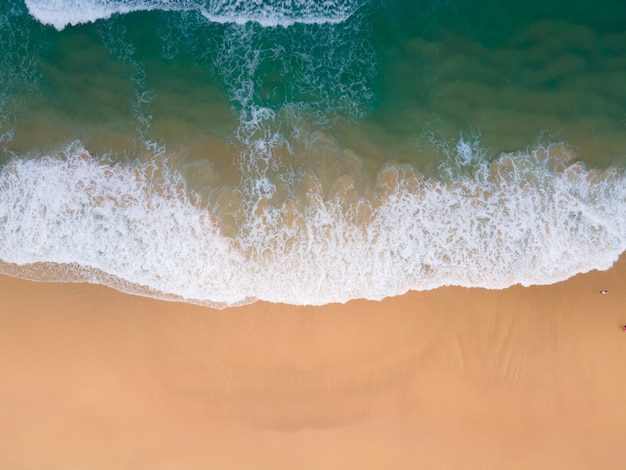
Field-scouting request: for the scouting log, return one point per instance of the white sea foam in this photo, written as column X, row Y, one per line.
column 62, row 13
column 325, row 72
column 527, row 218
column 276, row 13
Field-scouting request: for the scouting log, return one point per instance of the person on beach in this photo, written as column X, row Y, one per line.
column 624, row 328
column 603, row 292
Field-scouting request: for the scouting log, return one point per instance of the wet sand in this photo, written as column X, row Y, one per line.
column 449, row 379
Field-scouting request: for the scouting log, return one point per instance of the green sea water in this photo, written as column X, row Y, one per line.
column 311, row 152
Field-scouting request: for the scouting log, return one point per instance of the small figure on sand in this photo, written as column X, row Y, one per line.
column 624, row 328
column 604, row 292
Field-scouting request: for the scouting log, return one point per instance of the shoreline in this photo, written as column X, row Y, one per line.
column 450, row 378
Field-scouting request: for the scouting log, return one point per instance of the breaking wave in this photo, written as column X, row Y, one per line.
column 534, row 217
column 62, row 13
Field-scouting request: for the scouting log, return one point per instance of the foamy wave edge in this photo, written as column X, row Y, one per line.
column 61, row 14
column 527, row 218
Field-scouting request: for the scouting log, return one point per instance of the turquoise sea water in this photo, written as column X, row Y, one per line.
column 220, row 152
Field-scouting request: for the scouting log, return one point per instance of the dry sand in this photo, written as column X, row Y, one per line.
column 449, row 379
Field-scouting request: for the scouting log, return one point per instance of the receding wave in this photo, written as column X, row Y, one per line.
column 525, row 218
column 62, row 13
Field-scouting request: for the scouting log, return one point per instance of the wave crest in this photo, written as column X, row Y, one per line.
column 62, row 13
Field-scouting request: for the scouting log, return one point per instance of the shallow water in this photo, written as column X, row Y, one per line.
column 305, row 152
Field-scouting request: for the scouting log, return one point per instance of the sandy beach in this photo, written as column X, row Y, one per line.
column 452, row 378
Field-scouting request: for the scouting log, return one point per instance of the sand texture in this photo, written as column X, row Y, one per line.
column 449, row 379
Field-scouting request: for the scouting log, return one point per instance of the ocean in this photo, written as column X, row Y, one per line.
column 306, row 152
